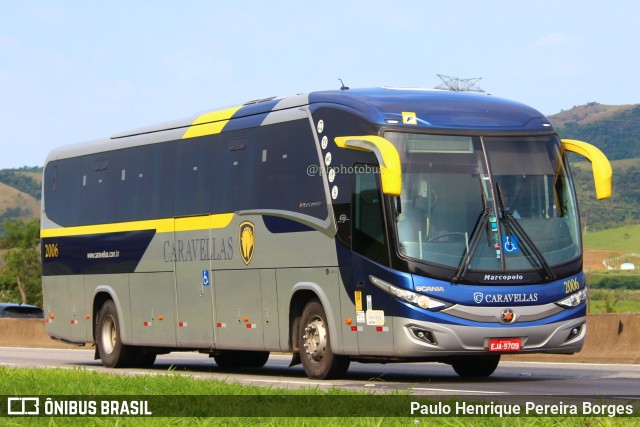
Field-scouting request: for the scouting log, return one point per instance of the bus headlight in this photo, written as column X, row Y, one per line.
column 574, row 299
column 422, row 301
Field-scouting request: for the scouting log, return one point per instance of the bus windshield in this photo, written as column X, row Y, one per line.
column 485, row 203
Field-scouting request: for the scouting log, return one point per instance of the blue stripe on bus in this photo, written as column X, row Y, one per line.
column 277, row 225
column 106, row 253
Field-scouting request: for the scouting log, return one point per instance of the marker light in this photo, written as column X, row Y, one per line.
column 574, row 299
column 419, row 300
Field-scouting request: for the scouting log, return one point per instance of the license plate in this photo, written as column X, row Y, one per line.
column 505, row 344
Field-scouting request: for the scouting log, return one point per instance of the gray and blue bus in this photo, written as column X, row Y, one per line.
column 369, row 225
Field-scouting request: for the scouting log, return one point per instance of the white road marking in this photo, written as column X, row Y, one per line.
column 456, row 391
column 288, row 382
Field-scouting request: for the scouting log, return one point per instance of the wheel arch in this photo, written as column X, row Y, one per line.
column 103, row 294
column 301, row 294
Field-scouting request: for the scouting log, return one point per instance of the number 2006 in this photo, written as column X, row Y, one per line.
column 51, row 250
column 571, row 285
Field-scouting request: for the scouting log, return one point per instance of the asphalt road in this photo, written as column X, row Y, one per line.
column 510, row 379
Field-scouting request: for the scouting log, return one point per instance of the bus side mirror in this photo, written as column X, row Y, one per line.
column 599, row 164
column 387, row 155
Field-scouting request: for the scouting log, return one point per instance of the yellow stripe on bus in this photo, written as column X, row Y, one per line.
column 210, row 123
column 167, row 225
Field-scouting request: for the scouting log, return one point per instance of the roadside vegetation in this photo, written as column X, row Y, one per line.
column 613, row 290
column 620, row 239
column 66, row 383
column 20, row 262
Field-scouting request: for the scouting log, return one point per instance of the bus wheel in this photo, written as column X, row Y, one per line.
column 229, row 359
column 316, row 356
column 112, row 352
column 475, row 366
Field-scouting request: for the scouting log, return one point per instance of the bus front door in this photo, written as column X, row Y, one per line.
column 370, row 248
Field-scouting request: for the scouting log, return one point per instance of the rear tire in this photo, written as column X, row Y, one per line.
column 316, row 355
column 231, row 359
column 112, row 352
column 475, row 366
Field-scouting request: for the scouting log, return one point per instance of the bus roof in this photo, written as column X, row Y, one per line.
column 432, row 109
column 437, row 109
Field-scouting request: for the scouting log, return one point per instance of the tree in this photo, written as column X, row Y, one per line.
column 20, row 274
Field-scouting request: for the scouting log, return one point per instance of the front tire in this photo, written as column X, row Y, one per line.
column 113, row 353
column 475, row 366
column 316, row 355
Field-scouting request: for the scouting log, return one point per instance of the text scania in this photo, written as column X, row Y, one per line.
column 219, row 249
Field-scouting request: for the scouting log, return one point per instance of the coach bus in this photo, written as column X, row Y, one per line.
column 369, row 225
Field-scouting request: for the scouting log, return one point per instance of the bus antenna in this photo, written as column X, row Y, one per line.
column 457, row 84
column 343, row 87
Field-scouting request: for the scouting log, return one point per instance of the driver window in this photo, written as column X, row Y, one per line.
column 369, row 235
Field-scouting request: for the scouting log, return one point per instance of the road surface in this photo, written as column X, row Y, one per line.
column 510, row 379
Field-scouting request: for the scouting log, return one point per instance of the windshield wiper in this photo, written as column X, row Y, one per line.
column 483, row 221
column 509, row 222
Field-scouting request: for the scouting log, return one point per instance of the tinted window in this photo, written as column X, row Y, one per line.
column 234, row 172
column 146, row 181
column 369, row 236
column 263, row 168
column 18, row 311
column 63, row 183
column 284, row 153
column 193, row 170
column 99, row 188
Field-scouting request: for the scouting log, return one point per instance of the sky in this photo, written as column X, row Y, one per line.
column 73, row 71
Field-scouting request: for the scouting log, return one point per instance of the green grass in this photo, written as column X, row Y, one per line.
column 614, row 291
column 623, row 239
column 614, row 301
column 81, row 382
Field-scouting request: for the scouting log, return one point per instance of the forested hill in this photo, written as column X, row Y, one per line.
column 20, row 193
column 614, row 129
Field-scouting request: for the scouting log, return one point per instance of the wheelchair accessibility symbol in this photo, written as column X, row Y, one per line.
column 510, row 244
column 205, row 277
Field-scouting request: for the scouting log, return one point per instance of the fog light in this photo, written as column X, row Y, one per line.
column 575, row 332
column 424, row 335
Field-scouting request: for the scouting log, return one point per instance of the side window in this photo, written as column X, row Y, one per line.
column 369, row 236
column 99, row 193
column 63, row 186
column 233, row 175
column 281, row 162
column 193, row 177
column 266, row 168
column 136, row 180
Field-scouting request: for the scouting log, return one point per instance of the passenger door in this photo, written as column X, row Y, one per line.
column 193, row 283
column 370, row 248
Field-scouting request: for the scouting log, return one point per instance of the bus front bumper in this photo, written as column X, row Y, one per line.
column 424, row 339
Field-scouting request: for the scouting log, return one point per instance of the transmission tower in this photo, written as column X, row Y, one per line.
column 459, row 85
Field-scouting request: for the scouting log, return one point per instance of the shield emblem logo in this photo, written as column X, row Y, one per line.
column 477, row 297
column 247, row 241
